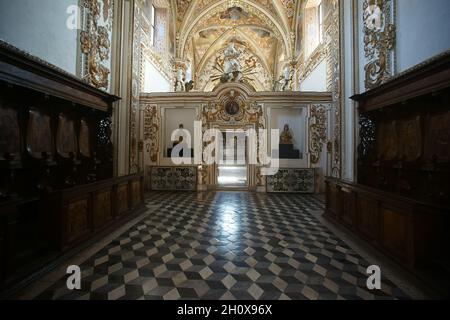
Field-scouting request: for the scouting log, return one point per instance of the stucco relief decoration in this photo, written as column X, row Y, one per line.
column 249, row 70
column 135, row 86
column 379, row 41
column 289, row 7
column 332, row 40
column 95, row 42
column 232, row 109
column 318, row 131
column 151, row 129
column 182, row 7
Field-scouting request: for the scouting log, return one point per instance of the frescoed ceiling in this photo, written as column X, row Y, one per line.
column 263, row 29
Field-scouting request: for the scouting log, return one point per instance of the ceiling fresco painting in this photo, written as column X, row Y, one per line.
column 262, row 31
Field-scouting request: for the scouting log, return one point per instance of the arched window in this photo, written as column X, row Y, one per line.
column 313, row 25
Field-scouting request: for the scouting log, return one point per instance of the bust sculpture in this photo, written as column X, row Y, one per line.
column 286, row 136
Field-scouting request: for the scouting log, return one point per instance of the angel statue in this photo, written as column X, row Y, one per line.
column 232, row 67
column 179, row 83
column 288, row 75
column 188, row 82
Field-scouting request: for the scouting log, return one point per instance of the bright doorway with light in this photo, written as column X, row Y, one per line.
column 232, row 172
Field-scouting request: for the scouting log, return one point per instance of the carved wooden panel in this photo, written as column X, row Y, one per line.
column 77, row 219
column 388, row 140
column 39, row 134
column 437, row 144
column 395, row 232
column 410, row 134
column 84, row 138
column 102, row 208
column 66, row 141
column 333, row 199
column 9, row 132
column 135, row 193
column 367, row 222
column 122, row 198
column 348, row 206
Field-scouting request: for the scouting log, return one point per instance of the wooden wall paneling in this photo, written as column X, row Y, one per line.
column 122, row 198
column 367, row 217
column 50, row 181
column 396, row 232
column 333, row 199
column 136, row 194
column 77, row 216
column 22, row 243
column 2, row 249
column 348, row 212
column 103, row 207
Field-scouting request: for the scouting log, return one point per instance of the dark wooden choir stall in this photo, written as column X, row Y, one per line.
column 57, row 187
column 401, row 201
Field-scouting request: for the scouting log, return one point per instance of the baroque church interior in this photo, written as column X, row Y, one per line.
column 224, row 149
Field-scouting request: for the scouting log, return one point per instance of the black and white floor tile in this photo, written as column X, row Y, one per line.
column 226, row 245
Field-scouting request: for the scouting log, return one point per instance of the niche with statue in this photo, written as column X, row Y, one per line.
column 291, row 125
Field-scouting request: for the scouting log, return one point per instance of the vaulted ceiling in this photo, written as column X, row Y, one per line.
column 264, row 30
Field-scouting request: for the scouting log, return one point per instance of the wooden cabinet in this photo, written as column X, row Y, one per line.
column 82, row 211
column 57, row 187
column 401, row 200
column 412, row 233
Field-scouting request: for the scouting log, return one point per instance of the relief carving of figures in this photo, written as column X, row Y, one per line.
column 95, row 42
column 379, row 41
column 318, row 131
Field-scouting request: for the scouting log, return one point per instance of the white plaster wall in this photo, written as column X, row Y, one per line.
column 317, row 80
column 154, row 81
column 423, row 30
column 39, row 27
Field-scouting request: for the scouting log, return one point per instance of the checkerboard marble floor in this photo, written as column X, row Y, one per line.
column 226, row 245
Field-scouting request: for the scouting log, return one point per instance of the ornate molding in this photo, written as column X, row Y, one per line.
column 136, row 60
column 151, row 131
column 333, row 56
column 379, row 41
column 95, row 42
column 317, row 131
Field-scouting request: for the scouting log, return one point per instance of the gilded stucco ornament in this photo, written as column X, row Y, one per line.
column 317, row 131
column 379, row 41
column 151, row 130
column 95, row 42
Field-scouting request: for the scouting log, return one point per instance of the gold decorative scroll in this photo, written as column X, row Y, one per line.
column 379, row 41
column 95, row 42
